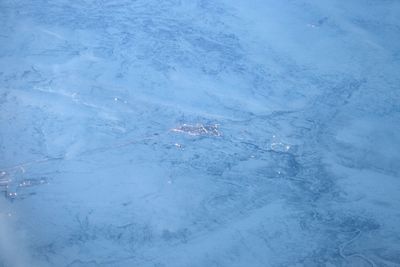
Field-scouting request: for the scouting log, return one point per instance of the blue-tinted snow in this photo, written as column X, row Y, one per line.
column 200, row 133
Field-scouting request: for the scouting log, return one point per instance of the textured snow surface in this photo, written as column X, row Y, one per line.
column 199, row 133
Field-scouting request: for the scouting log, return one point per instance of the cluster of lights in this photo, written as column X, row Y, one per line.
column 10, row 189
column 198, row 129
column 278, row 145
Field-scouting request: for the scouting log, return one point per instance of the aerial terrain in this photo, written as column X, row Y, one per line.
column 171, row 133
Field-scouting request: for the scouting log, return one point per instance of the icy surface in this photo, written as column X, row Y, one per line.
column 199, row 133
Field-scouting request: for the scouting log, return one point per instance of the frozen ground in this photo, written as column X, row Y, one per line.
column 199, row 133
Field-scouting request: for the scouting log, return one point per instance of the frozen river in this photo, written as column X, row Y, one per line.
column 168, row 133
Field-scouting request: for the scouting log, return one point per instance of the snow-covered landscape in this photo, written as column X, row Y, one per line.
column 158, row 133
